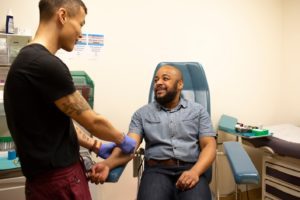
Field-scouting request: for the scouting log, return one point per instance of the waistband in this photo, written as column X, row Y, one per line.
column 57, row 173
column 167, row 162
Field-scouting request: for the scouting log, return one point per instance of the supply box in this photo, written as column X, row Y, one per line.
column 10, row 46
column 6, row 141
column 84, row 85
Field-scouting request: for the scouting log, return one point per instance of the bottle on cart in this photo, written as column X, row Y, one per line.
column 9, row 26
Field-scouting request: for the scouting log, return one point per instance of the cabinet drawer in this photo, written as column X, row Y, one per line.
column 287, row 176
column 277, row 191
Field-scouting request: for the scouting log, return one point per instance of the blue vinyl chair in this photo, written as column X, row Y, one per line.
column 196, row 89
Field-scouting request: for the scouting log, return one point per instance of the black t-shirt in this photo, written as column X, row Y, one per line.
column 44, row 136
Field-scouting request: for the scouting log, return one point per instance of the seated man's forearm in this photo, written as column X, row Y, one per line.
column 188, row 179
column 117, row 158
column 207, row 155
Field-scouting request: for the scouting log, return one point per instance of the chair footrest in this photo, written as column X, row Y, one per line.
column 241, row 165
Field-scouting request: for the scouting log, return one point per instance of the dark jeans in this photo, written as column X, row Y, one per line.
column 68, row 183
column 158, row 183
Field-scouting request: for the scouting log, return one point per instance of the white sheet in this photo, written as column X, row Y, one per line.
column 288, row 132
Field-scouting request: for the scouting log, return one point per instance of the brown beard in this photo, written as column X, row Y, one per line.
column 169, row 97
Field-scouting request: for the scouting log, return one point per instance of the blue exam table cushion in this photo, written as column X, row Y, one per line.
column 242, row 167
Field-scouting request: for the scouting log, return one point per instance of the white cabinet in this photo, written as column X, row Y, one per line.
column 281, row 178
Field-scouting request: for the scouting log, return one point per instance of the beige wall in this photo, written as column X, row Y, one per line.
column 290, row 91
column 248, row 49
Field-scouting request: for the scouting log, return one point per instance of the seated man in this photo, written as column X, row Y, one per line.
column 180, row 144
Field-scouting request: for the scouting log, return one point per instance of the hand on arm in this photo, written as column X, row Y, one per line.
column 117, row 158
column 106, row 149
column 128, row 145
column 190, row 178
column 102, row 150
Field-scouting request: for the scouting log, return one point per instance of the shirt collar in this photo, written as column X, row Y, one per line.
column 182, row 104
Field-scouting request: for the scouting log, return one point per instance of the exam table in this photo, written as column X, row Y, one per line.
column 281, row 158
column 281, row 162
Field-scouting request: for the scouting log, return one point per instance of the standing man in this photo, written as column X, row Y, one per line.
column 179, row 143
column 41, row 103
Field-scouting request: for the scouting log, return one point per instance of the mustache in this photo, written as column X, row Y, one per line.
column 159, row 87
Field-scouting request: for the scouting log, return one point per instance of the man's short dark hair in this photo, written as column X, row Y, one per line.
column 49, row 7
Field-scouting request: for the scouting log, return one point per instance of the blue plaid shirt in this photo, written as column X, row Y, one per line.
column 172, row 133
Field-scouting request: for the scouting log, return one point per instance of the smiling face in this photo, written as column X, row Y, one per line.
column 167, row 86
column 71, row 28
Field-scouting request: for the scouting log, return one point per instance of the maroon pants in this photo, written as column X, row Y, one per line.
column 68, row 183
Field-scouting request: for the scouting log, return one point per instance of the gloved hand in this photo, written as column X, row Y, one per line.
column 128, row 145
column 106, row 149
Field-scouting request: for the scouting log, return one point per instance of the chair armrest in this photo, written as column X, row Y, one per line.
column 115, row 174
column 241, row 165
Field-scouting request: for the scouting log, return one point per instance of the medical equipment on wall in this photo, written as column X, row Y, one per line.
column 85, row 85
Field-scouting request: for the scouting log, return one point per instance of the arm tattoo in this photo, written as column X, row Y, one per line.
column 77, row 105
column 82, row 135
column 85, row 137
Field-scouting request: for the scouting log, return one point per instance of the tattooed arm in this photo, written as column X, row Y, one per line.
column 86, row 141
column 76, row 107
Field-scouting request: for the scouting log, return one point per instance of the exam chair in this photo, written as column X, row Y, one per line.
column 196, row 89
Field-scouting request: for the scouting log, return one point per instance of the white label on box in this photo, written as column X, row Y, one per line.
column 3, row 46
